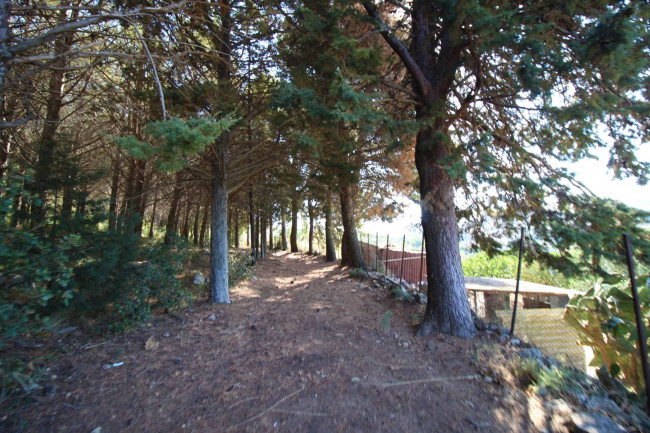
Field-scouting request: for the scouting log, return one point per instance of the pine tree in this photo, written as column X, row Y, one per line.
column 502, row 90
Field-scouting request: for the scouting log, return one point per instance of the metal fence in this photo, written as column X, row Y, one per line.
column 409, row 266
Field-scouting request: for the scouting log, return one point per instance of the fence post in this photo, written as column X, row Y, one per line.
column 368, row 249
column 377, row 251
column 514, row 308
column 639, row 320
column 401, row 272
column 386, row 258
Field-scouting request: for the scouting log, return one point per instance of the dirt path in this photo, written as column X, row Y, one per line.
column 301, row 349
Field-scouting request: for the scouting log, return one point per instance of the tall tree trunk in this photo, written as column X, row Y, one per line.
column 251, row 216
column 219, row 225
column 153, row 215
column 195, row 232
column 219, row 228
column 257, row 237
column 47, row 144
column 283, row 240
column 170, row 227
column 294, row 222
column 115, row 186
column 351, row 254
column 5, row 36
column 186, row 220
column 447, row 309
column 310, row 211
column 330, row 247
column 204, row 225
column 271, row 231
column 262, row 236
column 236, row 229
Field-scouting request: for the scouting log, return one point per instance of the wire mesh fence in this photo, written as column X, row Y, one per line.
column 540, row 307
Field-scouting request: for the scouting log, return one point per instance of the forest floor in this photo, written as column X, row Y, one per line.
column 302, row 348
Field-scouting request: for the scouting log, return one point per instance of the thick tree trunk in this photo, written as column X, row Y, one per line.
column 447, row 309
column 294, row 222
column 219, row 225
column 5, row 36
column 310, row 210
column 330, row 247
column 351, row 254
column 204, row 225
column 219, row 229
column 283, row 240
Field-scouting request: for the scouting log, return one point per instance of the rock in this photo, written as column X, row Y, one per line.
column 198, row 279
column 530, row 354
column 166, row 335
column 558, row 405
column 605, row 405
column 212, row 317
column 515, row 341
column 405, row 344
column 493, row 327
column 503, row 330
column 355, row 380
column 96, row 430
column 421, row 298
column 593, row 422
column 430, row 347
column 254, row 278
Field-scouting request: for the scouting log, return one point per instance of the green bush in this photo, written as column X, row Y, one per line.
column 605, row 320
column 35, row 272
column 505, row 266
column 238, row 267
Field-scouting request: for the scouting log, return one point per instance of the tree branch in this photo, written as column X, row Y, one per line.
column 420, row 79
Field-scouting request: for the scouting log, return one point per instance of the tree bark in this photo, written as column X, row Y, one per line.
column 186, row 221
column 170, row 227
column 310, row 211
column 219, row 229
column 330, row 247
column 195, row 232
column 294, row 222
column 251, row 216
column 236, row 229
column 47, row 143
column 153, row 215
column 115, row 185
column 270, row 231
column 262, row 236
column 283, row 240
column 351, row 254
column 204, row 225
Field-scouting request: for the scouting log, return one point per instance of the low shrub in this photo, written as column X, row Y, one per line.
column 605, row 320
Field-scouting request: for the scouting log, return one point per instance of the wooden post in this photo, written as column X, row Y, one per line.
column 401, row 272
column 386, row 258
column 377, row 251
